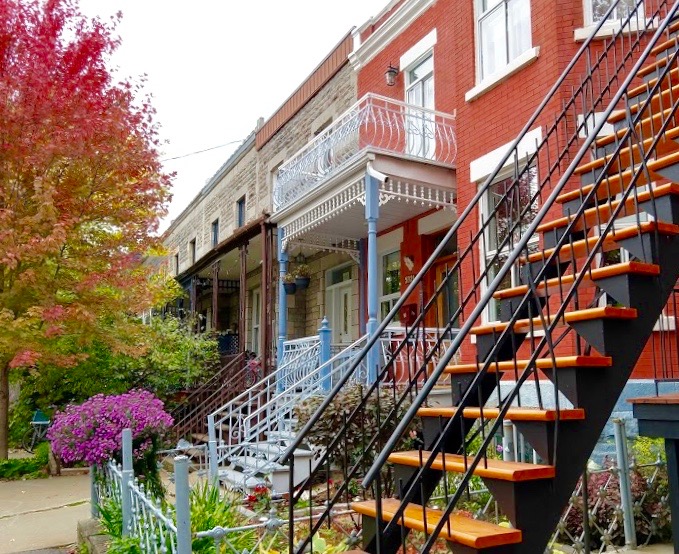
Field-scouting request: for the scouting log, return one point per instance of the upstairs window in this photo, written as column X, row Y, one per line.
column 504, row 33
column 420, row 93
column 215, row 233
column 595, row 10
column 240, row 212
column 192, row 252
column 176, row 264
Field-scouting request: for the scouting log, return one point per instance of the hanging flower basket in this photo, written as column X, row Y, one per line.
column 290, row 288
column 302, row 282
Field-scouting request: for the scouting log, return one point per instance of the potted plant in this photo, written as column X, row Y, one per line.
column 302, row 276
column 289, row 283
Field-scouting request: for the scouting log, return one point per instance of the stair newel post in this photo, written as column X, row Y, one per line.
column 325, row 336
column 94, row 493
column 126, row 483
column 212, row 449
column 625, row 487
column 182, row 505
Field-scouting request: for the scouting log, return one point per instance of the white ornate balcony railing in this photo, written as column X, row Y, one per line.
column 373, row 122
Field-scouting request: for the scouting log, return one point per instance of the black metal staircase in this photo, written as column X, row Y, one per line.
column 593, row 247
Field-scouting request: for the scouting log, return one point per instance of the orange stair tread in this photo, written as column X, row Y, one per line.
column 569, row 317
column 464, row 530
column 645, row 87
column 664, row 45
column 667, row 93
column 584, row 246
column 651, row 67
column 635, row 268
column 657, row 119
column 513, row 413
column 489, row 468
column 540, row 363
column 670, row 137
column 653, row 166
column 607, row 207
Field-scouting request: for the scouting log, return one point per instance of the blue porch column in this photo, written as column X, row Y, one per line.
column 325, row 353
column 372, row 208
column 282, row 298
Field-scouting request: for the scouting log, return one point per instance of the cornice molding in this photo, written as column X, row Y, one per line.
column 388, row 31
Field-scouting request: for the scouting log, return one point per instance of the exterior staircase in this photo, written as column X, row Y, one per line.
column 190, row 416
column 590, row 229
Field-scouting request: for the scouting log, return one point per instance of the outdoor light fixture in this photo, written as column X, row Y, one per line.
column 300, row 258
column 390, row 75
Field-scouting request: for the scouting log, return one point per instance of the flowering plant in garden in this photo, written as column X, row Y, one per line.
column 92, row 431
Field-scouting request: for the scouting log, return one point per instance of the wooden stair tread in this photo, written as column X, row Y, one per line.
column 583, row 247
column 489, row 468
column 651, row 67
column 525, row 325
column 591, row 276
column 653, row 121
column 661, row 98
column 664, row 45
column 615, row 183
column 602, row 212
column 513, row 413
column 667, row 144
column 540, row 363
column 461, row 529
column 670, row 76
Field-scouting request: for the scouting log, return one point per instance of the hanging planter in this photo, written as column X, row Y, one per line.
column 302, row 276
column 289, row 283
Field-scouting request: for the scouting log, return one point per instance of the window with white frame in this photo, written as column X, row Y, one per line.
column 390, row 282
column 508, row 209
column 595, row 10
column 420, row 93
column 504, row 33
column 256, row 319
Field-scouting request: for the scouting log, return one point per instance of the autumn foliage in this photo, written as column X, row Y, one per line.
column 81, row 190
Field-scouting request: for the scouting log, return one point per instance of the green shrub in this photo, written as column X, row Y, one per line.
column 208, row 510
column 125, row 545
column 111, row 517
column 26, row 468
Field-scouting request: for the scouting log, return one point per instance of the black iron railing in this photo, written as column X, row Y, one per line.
column 496, row 253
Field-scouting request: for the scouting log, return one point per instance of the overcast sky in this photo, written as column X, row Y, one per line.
column 215, row 66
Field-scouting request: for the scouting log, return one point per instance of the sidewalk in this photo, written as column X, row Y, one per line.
column 42, row 513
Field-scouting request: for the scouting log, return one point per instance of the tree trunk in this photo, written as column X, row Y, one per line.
column 4, row 411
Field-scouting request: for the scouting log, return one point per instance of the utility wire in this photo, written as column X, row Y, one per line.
column 200, row 151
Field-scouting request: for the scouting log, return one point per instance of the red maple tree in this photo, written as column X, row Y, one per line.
column 81, row 190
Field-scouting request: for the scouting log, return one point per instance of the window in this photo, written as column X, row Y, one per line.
column 240, row 212
column 390, row 283
column 176, row 264
column 503, row 33
column 215, row 233
column 192, row 251
column 595, row 10
column 420, row 93
column 501, row 210
column 256, row 317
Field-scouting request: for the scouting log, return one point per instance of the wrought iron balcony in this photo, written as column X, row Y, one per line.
column 374, row 122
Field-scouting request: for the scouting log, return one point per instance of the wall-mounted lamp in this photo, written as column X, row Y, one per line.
column 300, row 258
column 390, row 75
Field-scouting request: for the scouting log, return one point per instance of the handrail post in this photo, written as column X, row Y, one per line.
column 94, row 494
column 625, row 487
column 182, row 505
column 324, row 335
column 212, row 450
column 126, row 483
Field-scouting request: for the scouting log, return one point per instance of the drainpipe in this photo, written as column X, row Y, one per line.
column 282, row 298
column 373, row 179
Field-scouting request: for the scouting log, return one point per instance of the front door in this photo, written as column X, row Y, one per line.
column 338, row 303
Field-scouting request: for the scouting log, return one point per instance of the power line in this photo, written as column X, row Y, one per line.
column 200, row 151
